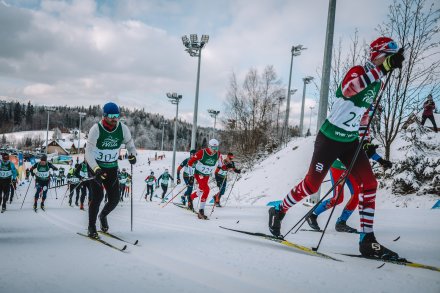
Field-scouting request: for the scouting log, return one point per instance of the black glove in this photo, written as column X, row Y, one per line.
column 132, row 159
column 32, row 174
column 238, row 171
column 394, row 61
column 385, row 163
column 191, row 181
column 99, row 173
column 178, row 181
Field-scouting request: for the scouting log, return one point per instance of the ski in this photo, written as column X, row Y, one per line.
column 118, row 238
column 104, row 242
column 297, row 247
column 186, row 208
column 320, row 231
column 400, row 261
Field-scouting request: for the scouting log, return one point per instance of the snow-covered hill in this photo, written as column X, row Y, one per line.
column 41, row 252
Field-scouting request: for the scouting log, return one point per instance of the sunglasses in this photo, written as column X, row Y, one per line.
column 112, row 116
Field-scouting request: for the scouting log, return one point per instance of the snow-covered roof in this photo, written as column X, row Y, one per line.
column 82, row 142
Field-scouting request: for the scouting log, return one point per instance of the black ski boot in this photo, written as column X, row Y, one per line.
column 275, row 218
column 341, row 226
column 369, row 247
column 35, row 206
column 42, row 206
column 104, row 223
column 311, row 220
column 92, row 233
column 201, row 215
column 70, row 202
column 3, row 209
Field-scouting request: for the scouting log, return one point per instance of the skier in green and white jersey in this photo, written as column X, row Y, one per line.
column 42, row 178
column 165, row 177
column 122, row 177
column 7, row 174
column 150, row 180
column 74, row 182
column 102, row 151
column 338, row 139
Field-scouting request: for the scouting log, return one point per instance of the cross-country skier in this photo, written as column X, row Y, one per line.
column 28, row 173
column 151, row 181
column 221, row 173
column 73, row 181
column 337, row 139
column 127, row 186
column 13, row 189
column 122, row 177
column 204, row 162
column 81, row 170
column 102, row 150
column 7, row 174
column 186, row 177
column 42, row 179
column 165, row 177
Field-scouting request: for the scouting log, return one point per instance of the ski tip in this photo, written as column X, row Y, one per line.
column 124, row 248
column 238, row 221
column 397, row 238
column 136, row 242
column 380, row 266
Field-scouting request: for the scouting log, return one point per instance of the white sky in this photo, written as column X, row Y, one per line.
column 130, row 52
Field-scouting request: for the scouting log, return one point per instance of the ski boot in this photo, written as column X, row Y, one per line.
column 92, row 233
column 369, row 247
column 3, row 209
column 311, row 220
column 81, row 206
column 76, row 203
column 275, row 218
column 183, row 199
column 35, row 206
column 42, row 206
column 190, row 205
column 341, row 226
column 70, row 202
column 104, row 223
column 201, row 215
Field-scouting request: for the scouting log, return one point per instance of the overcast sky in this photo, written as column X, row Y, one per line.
column 130, row 52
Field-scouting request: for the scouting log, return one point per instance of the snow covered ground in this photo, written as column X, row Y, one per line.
column 179, row 253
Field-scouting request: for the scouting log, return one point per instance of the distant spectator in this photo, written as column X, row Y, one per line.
column 428, row 111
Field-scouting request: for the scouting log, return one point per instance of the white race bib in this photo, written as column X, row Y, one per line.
column 106, row 156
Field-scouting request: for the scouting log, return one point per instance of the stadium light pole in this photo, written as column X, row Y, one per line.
column 280, row 100
column 194, row 48
column 310, row 121
column 214, row 114
column 306, row 80
column 295, row 51
column 326, row 64
column 48, row 109
column 174, row 98
column 163, row 123
column 81, row 114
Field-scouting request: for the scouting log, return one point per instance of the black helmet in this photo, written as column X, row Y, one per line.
column 5, row 156
column 43, row 158
column 192, row 152
column 152, row 173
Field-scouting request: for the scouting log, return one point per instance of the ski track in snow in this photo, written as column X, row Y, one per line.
column 179, row 253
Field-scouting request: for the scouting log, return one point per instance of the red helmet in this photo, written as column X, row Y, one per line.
column 382, row 46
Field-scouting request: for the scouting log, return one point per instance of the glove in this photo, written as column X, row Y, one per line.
column 178, row 181
column 238, row 171
column 394, row 61
column 132, row 159
column 385, row 163
column 32, row 174
column 191, row 181
column 99, row 173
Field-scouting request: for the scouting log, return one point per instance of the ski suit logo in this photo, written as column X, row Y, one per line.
column 319, row 167
column 110, row 142
column 369, row 97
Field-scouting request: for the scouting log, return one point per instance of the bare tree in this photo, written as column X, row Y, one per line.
column 414, row 25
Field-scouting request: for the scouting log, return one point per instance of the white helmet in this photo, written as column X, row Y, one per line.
column 213, row 144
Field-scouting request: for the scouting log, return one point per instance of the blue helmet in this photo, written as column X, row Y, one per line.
column 110, row 108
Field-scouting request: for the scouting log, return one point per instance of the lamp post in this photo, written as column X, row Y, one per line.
column 163, row 123
column 48, row 109
column 81, row 114
column 194, row 48
column 310, row 121
column 280, row 100
column 295, row 51
column 306, row 80
column 214, row 114
column 174, row 98
column 326, row 64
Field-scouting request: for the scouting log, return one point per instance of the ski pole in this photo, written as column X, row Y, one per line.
column 219, row 191
column 184, row 187
column 354, row 157
column 166, row 196
column 131, row 197
column 143, row 192
column 235, row 180
column 26, row 193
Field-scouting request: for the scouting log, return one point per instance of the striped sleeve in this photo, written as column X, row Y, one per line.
column 357, row 79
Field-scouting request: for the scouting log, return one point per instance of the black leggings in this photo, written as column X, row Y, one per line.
column 111, row 184
column 5, row 187
column 431, row 118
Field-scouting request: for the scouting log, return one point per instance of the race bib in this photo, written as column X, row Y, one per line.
column 42, row 174
column 205, row 170
column 5, row 174
column 107, row 156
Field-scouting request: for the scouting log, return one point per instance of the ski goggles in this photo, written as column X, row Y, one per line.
column 214, row 147
column 388, row 48
column 112, row 116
